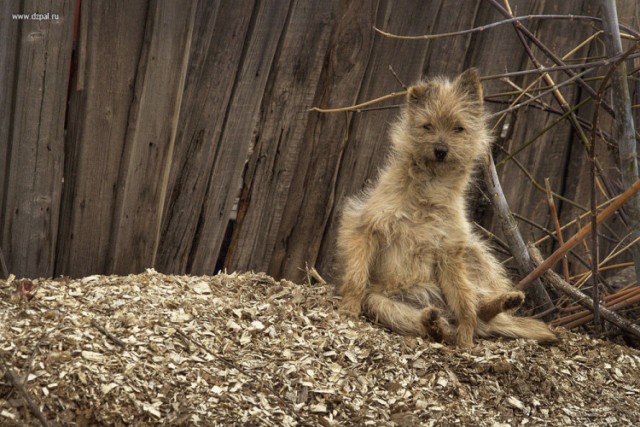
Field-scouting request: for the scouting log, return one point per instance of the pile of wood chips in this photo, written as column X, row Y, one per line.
column 244, row 349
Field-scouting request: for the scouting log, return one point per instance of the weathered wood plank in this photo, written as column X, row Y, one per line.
column 368, row 143
column 217, row 50
column 36, row 145
column 238, row 134
column 151, row 135
column 279, row 136
column 8, row 53
column 110, row 42
column 310, row 199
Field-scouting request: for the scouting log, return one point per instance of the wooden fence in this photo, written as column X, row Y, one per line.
column 176, row 134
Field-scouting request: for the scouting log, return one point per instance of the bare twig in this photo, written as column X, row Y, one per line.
column 14, row 379
column 511, row 20
column 549, row 53
column 553, row 89
column 582, row 299
column 358, row 106
column 565, row 67
column 614, row 302
column 108, row 334
column 397, row 78
column 632, row 289
column 556, row 224
column 578, row 237
column 512, row 234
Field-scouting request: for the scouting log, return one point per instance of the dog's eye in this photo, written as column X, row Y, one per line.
column 458, row 129
column 427, row 126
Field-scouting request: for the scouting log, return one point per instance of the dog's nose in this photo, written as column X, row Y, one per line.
column 440, row 151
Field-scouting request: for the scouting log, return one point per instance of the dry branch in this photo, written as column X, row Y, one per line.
column 358, row 106
column 632, row 32
column 512, row 234
column 578, row 237
column 14, row 379
column 582, row 299
column 556, row 224
column 549, row 53
column 108, row 334
column 615, row 302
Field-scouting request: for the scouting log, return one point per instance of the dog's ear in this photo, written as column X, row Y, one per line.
column 417, row 93
column 469, row 83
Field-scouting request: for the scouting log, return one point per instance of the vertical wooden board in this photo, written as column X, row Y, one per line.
column 36, row 156
column 449, row 56
column 279, row 135
column 151, row 134
column 237, row 135
column 368, row 135
column 8, row 50
column 210, row 81
column 310, row 199
column 110, row 41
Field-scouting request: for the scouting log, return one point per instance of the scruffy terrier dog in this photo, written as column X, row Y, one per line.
column 411, row 259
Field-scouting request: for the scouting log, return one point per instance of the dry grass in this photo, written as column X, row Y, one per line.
column 245, row 349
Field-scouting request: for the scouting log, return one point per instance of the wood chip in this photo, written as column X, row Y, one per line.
column 245, row 349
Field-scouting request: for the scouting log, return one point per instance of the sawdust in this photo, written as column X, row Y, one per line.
column 244, row 349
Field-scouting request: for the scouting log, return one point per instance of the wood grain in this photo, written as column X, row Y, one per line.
column 238, row 136
column 150, row 136
column 290, row 92
column 8, row 55
column 35, row 148
column 215, row 58
column 110, row 42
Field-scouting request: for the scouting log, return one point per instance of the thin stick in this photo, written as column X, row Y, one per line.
column 578, row 237
column 611, row 303
column 601, row 268
column 582, row 299
column 108, row 334
column 613, row 307
column 397, row 78
column 497, row 24
column 358, row 106
column 14, row 379
column 540, row 95
column 606, row 299
column 556, row 223
column 565, row 67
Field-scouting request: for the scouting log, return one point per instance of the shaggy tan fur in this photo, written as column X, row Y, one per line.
column 411, row 260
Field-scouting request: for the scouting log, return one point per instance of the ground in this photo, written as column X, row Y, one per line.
column 245, row 349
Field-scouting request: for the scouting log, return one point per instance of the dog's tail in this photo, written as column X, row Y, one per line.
column 509, row 326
